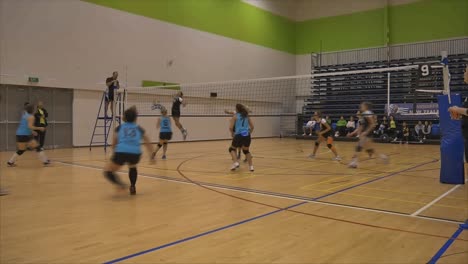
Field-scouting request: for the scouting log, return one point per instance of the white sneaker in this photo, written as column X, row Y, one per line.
column 384, row 158
column 251, row 168
column 304, row 134
column 337, row 158
column 235, row 165
column 312, row 156
column 184, row 134
column 352, row 164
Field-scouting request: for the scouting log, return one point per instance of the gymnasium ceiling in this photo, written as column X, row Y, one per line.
column 301, row 10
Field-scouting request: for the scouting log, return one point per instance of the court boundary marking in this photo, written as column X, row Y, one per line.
column 269, row 194
column 278, row 209
column 422, row 209
column 449, row 242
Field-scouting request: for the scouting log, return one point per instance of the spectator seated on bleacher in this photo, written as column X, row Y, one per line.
column 381, row 127
column 351, row 125
column 309, row 126
column 418, row 131
column 392, row 130
column 341, row 126
column 426, row 130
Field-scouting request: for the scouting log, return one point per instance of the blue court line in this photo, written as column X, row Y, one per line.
column 203, row 234
column 257, row 217
column 447, row 244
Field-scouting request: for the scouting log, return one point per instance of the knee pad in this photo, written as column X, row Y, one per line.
column 159, row 145
column 245, row 151
column 358, row 149
column 38, row 149
column 110, row 176
column 231, row 149
column 165, row 143
column 317, row 144
column 20, row 152
column 329, row 146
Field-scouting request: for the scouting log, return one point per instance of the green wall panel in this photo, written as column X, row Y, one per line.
column 357, row 30
column 419, row 21
column 428, row 20
column 230, row 18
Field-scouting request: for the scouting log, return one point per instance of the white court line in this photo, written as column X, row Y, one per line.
column 282, row 197
column 435, row 200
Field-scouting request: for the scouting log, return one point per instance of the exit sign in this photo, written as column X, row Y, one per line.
column 33, row 79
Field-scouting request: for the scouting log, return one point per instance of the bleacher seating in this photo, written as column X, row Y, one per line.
column 340, row 95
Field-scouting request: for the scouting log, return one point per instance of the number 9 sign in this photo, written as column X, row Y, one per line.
column 424, row 70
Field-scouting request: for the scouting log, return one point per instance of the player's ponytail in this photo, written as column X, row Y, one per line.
column 242, row 110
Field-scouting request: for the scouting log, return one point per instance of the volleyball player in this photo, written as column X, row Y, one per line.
column 367, row 122
column 324, row 134
column 241, row 127
column 238, row 149
column 24, row 137
column 177, row 102
column 165, row 133
column 127, row 150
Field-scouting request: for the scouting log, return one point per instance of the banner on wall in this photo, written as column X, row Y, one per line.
column 418, row 111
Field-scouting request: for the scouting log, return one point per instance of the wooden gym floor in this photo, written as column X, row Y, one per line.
column 192, row 209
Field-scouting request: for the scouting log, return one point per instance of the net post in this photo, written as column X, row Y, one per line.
column 388, row 93
column 446, row 74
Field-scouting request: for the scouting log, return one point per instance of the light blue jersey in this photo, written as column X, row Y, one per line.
column 23, row 128
column 242, row 125
column 165, row 125
column 129, row 138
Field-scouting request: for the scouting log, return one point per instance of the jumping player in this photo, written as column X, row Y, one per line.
column 165, row 133
column 241, row 135
column 325, row 134
column 24, row 137
column 127, row 150
column 367, row 122
column 179, row 100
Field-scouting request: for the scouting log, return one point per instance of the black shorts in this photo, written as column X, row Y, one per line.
column 122, row 158
column 165, row 135
column 175, row 113
column 110, row 97
column 241, row 141
column 328, row 134
column 23, row 138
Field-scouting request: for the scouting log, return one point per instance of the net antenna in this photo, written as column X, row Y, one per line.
column 446, row 77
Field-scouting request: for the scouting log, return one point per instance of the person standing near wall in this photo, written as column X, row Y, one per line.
column 112, row 84
column 40, row 120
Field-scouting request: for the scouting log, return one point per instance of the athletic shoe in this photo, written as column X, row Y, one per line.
column 384, row 158
column 184, row 134
column 11, row 164
column 3, row 192
column 251, row 168
column 235, row 165
column 353, row 165
column 312, row 156
column 46, row 163
column 132, row 190
column 164, row 157
column 304, row 134
column 337, row 158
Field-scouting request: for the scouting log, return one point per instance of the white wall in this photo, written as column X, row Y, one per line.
column 74, row 44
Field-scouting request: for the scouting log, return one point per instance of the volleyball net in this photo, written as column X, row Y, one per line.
column 334, row 92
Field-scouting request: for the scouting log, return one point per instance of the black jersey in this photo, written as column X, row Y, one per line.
column 176, row 104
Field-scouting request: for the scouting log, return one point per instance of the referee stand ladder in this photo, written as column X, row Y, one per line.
column 104, row 124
